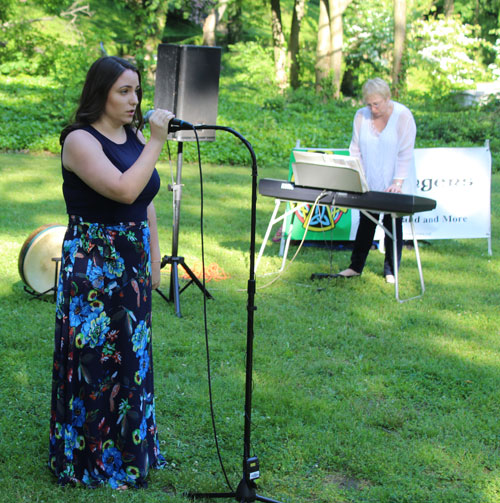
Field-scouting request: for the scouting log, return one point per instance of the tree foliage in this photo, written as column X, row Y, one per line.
column 449, row 50
column 449, row 44
column 6, row 9
column 369, row 39
column 36, row 36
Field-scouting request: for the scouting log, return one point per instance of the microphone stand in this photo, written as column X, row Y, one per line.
column 247, row 489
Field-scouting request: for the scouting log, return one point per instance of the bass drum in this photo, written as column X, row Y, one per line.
column 36, row 267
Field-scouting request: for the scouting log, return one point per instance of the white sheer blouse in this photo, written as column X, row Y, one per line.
column 388, row 154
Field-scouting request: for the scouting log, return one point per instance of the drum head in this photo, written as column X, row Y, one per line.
column 36, row 267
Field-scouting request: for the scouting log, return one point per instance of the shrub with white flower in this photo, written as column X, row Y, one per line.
column 449, row 51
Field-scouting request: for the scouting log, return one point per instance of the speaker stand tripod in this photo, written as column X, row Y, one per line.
column 174, row 260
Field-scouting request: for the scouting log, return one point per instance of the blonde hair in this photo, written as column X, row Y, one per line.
column 376, row 86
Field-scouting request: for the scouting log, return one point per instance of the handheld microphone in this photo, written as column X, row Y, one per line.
column 175, row 124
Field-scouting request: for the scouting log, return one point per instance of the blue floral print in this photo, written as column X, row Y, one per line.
column 103, row 427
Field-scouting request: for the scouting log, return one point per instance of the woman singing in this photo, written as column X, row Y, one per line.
column 103, row 426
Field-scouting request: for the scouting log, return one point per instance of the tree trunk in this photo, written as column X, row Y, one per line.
column 330, row 42
column 449, row 7
column 337, row 8
column 234, row 23
column 323, row 45
column 279, row 45
column 211, row 23
column 209, row 26
column 399, row 43
column 293, row 49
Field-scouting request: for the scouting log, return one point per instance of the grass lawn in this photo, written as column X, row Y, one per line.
column 356, row 398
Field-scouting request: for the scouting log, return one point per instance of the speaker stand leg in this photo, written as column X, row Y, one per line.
column 175, row 292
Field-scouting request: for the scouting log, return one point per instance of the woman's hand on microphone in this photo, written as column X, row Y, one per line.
column 159, row 123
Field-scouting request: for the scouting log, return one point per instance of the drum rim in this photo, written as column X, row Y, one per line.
column 28, row 242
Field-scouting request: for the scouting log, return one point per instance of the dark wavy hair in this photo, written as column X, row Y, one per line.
column 101, row 76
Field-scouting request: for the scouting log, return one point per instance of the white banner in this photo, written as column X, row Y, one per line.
column 459, row 179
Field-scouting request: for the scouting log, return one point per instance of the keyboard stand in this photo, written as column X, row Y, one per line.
column 284, row 243
column 395, row 253
column 286, row 237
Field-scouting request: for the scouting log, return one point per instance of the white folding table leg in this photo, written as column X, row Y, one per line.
column 288, row 233
column 268, row 231
column 395, row 256
column 417, row 257
column 289, row 230
column 274, row 220
column 393, row 236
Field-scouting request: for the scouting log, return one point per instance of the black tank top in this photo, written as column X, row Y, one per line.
column 83, row 201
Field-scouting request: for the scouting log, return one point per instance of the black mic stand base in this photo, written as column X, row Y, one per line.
column 245, row 492
column 174, row 294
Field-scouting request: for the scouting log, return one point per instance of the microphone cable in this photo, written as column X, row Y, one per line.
column 307, row 224
column 207, row 345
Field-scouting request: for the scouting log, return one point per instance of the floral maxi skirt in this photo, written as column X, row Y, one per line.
column 103, row 426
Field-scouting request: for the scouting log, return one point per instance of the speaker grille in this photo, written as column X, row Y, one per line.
column 187, row 83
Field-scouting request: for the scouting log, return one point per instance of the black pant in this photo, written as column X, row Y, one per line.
column 364, row 240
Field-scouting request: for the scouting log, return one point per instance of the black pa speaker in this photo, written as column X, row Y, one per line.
column 187, row 84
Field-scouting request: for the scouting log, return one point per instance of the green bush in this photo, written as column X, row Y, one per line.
column 37, row 108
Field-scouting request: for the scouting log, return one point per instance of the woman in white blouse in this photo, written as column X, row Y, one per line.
column 383, row 138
